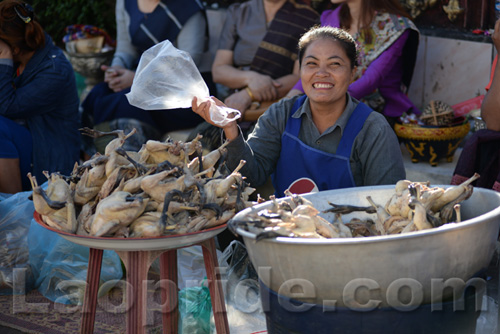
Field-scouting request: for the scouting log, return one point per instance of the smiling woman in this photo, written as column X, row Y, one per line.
column 327, row 66
column 325, row 137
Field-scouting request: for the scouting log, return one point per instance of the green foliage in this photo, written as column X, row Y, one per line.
column 55, row 15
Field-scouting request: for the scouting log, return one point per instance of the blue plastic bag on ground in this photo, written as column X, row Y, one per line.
column 60, row 266
column 16, row 212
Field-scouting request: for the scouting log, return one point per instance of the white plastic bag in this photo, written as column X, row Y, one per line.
column 167, row 78
column 190, row 266
column 241, row 290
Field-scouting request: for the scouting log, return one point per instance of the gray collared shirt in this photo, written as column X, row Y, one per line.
column 243, row 31
column 375, row 157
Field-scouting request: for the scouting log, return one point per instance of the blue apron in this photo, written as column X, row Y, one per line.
column 302, row 168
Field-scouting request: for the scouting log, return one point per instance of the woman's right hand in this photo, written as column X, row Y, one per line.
column 5, row 50
column 110, row 72
column 240, row 101
column 263, row 87
column 203, row 109
column 117, row 77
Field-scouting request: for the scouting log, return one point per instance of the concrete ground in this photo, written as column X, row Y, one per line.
column 423, row 171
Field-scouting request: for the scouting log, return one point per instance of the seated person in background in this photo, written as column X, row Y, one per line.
column 490, row 108
column 481, row 152
column 325, row 139
column 256, row 59
column 257, row 49
column 38, row 101
column 140, row 25
column 382, row 30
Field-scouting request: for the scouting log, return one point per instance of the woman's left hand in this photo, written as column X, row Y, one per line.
column 122, row 80
column 5, row 50
column 240, row 101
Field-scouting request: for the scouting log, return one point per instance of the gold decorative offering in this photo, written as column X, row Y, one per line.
column 438, row 135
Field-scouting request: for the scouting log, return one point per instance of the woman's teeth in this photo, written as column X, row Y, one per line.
column 322, row 85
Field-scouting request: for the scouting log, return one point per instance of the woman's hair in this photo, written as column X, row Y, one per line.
column 368, row 10
column 336, row 34
column 19, row 27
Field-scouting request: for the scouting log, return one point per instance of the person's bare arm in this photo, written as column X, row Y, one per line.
column 224, row 72
column 243, row 99
column 5, row 50
column 263, row 87
column 490, row 108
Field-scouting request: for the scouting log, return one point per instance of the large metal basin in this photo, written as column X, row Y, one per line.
column 383, row 271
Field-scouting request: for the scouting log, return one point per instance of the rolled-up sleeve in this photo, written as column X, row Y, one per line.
column 227, row 38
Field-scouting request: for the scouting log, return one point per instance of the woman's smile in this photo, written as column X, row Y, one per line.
column 321, row 85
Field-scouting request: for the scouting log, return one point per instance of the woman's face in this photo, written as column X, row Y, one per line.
column 326, row 71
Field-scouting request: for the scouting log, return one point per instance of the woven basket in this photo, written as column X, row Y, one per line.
column 438, row 113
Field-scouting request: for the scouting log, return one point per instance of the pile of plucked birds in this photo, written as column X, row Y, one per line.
column 414, row 206
column 165, row 188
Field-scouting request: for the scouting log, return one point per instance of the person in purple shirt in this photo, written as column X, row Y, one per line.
column 387, row 40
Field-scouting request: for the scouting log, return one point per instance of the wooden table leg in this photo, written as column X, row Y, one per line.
column 137, row 264
column 170, row 307
column 90, row 297
column 215, row 286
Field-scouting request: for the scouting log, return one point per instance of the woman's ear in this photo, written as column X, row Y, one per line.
column 15, row 51
column 353, row 73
